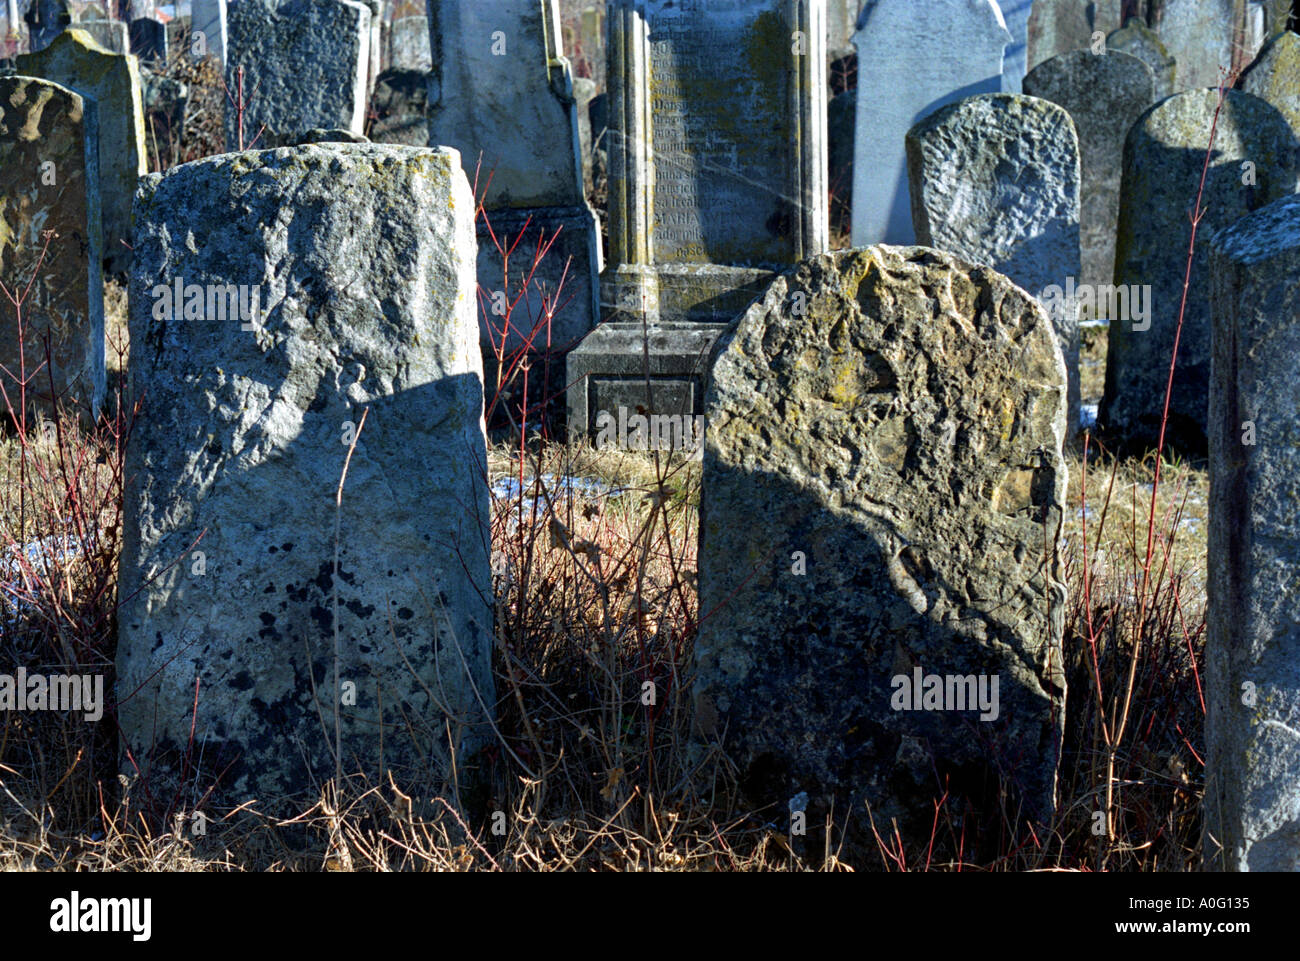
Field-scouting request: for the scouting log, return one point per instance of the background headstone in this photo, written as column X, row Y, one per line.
column 1275, row 77
column 1199, row 35
column 46, row 19
column 1058, row 26
column 995, row 180
column 1252, row 649
column 1163, row 159
column 209, row 18
column 361, row 260
column 1136, row 38
column 113, row 82
column 914, row 56
column 1015, row 13
column 894, row 416
column 305, row 65
column 112, row 35
column 409, row 44
column 148, row 39
column 1104, row 95
column 49, row 168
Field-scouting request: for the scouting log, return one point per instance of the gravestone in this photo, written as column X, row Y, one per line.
column 112, row 35
column 502, row 93
column 209, row 18
column 113, row 82
column 913, row 57
column 1252, row 649
column 148, row 39
column 409, row 45
column 276, row 297
column 401, row 108
column 1136, row 38
column 1199, row 35
column 1104, row 96
column 304, row 64
column 1163, row 160
column 46, row 19
column 882, row 493
column 995, row 180
column 50, row 237
column 717, row 180
column 1059, row 26
column 1275, row 77
column 1015, row 13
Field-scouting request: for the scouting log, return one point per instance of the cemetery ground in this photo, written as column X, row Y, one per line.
column 595, row 596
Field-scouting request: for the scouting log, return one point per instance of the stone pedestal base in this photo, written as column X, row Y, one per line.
column 681, row 293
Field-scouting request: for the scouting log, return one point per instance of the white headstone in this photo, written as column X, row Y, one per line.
column 914, row 56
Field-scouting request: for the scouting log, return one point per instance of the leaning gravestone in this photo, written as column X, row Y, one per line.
column 913, row 57
column 995, row 180
column 113, row 35
column 113, row 82
column 1199, row 35
column 401, row 108
column 1058, row 26
column 50, row 237
column 1275, row 77
column 1254, row 163
column 408, row 41
column 208, row 17
column 276, row 297
column 304, row 66
column 717, row 173
column 894, row 416
column 1136, row 38
column 1252, row 650
column 1104, row 96
column 148, row 39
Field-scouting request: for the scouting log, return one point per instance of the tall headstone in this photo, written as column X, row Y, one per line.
column 1199, row 35
column 1254, row 163
column 1058, row 26
column 1275, row 77
column 408, row 40
column 113, row 35
column 1252, row 649
column 1136, row 38
column 209, row 18
column 995, row 180
column 275, row 298
column 895, row 417
column 502, row 93
column 46, row 19
column 304, row 64
column 1104, row 96
column 113, row 82
column 914, row 56
column 50, row 237
column 148, row 39
column 717, row 173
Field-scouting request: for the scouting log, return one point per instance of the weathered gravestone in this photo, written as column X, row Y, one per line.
column 276, row 297
column 1058, row 26
column 913, row 57
column 50, row 237
column 113, row 35
column 113, row 82
column 995, row 180
column 208, row 18
column 401, row 108
column 1254, row 162
column 882, row 495
column 717, row 180
column 1199, row 35
column 148, row 39
column 408, row 44
column 1136, row 38
column 1275, row 77
column 1252, row 651
column 1104, row 96
column 304, row 65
